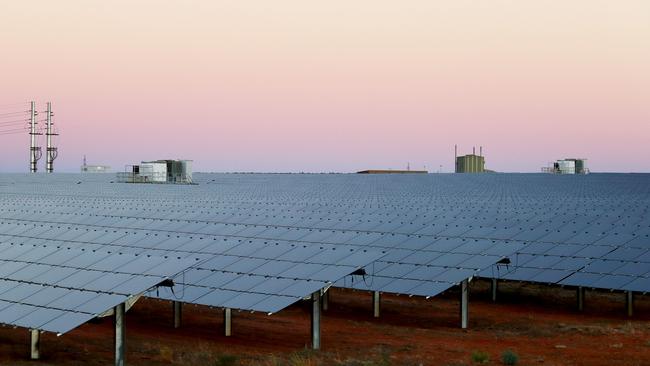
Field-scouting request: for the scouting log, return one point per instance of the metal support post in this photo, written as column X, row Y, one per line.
column 376, row 303
column 464, row 304
column 495, row 289
column 580, row 296
column 177, row 308
column 227, row 322
column 629, row 303
column 35, row 353
column 315, row 320
column 325, row 300
column 120, row 311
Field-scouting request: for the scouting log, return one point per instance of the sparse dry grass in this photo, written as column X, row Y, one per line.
column 411, row 332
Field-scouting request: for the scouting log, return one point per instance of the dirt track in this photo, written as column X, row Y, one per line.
column 539, row 323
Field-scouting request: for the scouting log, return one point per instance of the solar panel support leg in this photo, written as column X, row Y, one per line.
column 118, row 318
column 629, row 303
column 580, row 295
column 227, row 322
column 464, row 304
column 376, row 303
column 177, row 308
column 495, row 289
column 325, row 299
column 315, row 320
column 35, row 353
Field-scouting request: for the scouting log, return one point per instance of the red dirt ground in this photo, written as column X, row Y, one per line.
column 538, row 323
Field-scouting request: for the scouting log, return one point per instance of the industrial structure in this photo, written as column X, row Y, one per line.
column 394, row 171
column 35, row 151
column 471, row 163
column 391, row 171
column 51, row 152
column 85, row 168
column 178, row 171
column 158, row 171
column 568, row 166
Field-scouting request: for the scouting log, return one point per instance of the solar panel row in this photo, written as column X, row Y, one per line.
column 219, row 264
column 57, row 288
column 415, row 234
column 441, row 260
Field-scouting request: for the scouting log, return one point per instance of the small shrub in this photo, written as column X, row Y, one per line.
column 166, row 353
column 509, row 358
column 480, row 357
column 226, row 360
column 271, row 361
column 303, row 358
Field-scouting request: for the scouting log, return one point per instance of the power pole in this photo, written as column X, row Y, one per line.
column 35, row 152
column 51, row 151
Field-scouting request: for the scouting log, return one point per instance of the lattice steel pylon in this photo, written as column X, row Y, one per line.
column 51, row 152
column 35, row 152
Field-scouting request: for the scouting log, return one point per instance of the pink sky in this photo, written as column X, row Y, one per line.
column 336, row 85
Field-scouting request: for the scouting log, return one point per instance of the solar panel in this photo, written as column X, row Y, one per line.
column 415, row 234
column 56, row 289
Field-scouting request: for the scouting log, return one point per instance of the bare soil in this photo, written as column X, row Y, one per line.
column 538, row 323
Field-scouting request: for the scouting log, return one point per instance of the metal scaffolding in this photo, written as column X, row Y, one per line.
column 51, row 152
column 35, row 152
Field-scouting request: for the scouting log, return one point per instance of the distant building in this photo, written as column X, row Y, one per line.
column 178, row 171
column 95, row 169
column 85, row 168
column 568, row 166
column 391, row 171
column 471, row 163
column 158, row 171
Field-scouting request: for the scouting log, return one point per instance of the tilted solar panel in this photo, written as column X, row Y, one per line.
column 551, row 227
column 56, row 288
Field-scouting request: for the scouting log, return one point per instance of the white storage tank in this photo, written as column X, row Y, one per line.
column 186, row 168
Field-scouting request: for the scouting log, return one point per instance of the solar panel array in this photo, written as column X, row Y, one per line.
column 238, row 272
column 57, row 287
column 261, row 241
column 419, row 264
column 243, row 274
column 607, row 251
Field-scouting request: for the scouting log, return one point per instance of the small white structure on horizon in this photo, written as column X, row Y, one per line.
column 152, row 171
column 85, row 168
column 158, row 171
column 568, row 166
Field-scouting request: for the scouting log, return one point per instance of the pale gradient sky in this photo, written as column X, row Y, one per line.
column 337, row 85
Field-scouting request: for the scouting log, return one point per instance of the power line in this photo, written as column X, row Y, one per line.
column 14, row 104
column 14, row 125
column 24, row 116
column 12, row 113
column 14, row 121
column 25, row 125
column 31, row 124
column 13, row 132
